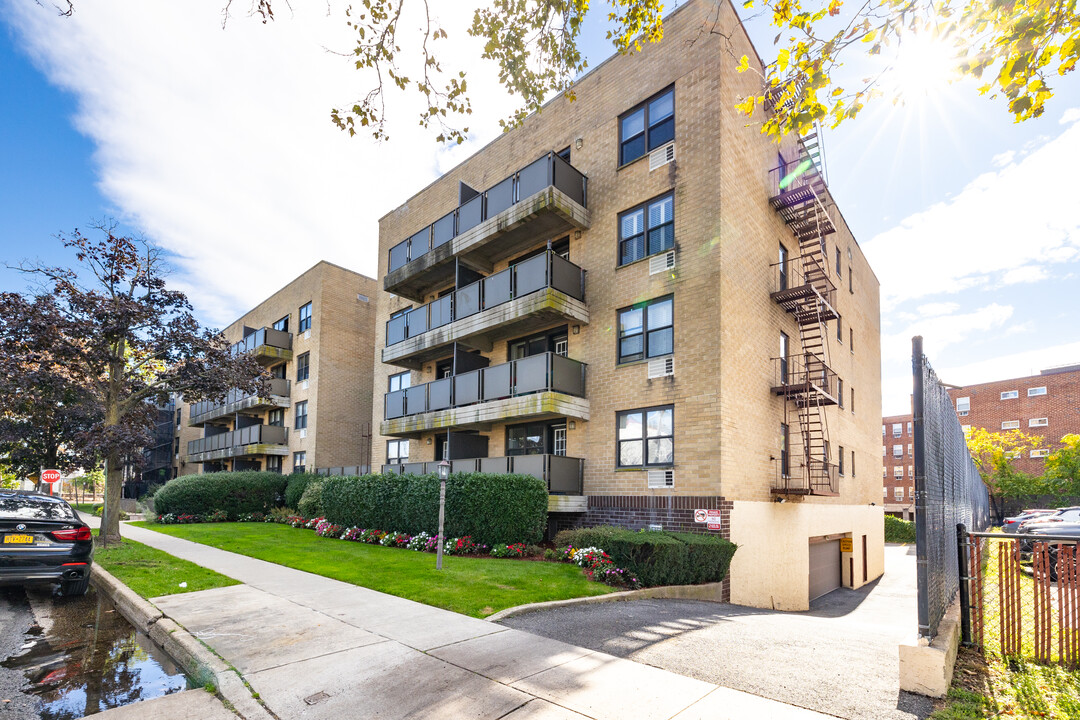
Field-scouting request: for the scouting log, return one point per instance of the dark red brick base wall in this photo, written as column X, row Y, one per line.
column 637, row 512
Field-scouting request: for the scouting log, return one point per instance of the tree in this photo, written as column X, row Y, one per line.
column 1063, row 466
column 9, row 480
column 126, row 341
column 993, row 453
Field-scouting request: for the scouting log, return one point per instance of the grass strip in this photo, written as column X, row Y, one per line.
column 152, row 573
column 469, row 585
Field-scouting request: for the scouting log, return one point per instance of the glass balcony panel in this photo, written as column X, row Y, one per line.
column 469, row 465
column 564, row 475
column 467, row 388
column 531, row 374
column 496, row 382
column 467, row 300
column 494, row 465
column 470, row 214
column 413, row 468
column 530, row 465
column 395, row 404
column 419, row 243
column 418, row 321
column 399, row 255
column 416, row 399
column 396, row 330
column 533, row 178
column 569, row 180
column 442, row 230
column 497, row 288
column 440, row 312
column 440, row 394
column 567, row 376
column 566, row 277
column 390, row 469
column 530, row 275
column 500, row 197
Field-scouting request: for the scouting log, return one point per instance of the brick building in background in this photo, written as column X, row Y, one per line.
column 642, row 301
column 316, row 336
column 1046, row 405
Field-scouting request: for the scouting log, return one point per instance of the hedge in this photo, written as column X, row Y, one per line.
column 297, row 484
column 310, row 505
column 658, row 558
column 237, row 493
column 493, row 509
column 899, row 531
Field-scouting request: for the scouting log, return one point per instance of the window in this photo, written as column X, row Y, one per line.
column 277, row 417
column 646, row 330
column 911, row 491
column 851, row 340
column 273, row 463
column 647, row 229
column 400, row 381
column 176, row 446
column 963, row 405
column 303, row 367
column 852, row 408
column 1012, row 454
column 785, row 455
column 882, row 430
column 1032, row 392
column 898, row 451
column 305, row 318
column 840, row 459
column 783, row 358
column 783, row 266
column 965, row 428
column 646, row 437
column 909, row 428
column 882, row 451
column 647, row 126
column 397, row 452
column 898, row 471
column 838, row 262
column 897, row 429
column 884, row 471
column 178, row 413
column 558, row 440
column 1010, row 395
column 282, row 324
column 839, row 329
column 850, row 281
column 299, row 462
column 840, row 392
column 884, row 490
column 898, row 493
column 1010, row 425
column 911, row 471
column 301, row 416
column 1040, row 453
column 1037, row 422
column 564, row 153
column 852, row 463
column 909, row 450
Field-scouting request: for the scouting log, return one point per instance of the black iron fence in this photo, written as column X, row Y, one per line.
column 948, row 492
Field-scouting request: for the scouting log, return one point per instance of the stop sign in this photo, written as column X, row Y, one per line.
column 50, row 476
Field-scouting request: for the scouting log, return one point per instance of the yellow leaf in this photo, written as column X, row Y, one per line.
column 744, row 64
column 782, row 59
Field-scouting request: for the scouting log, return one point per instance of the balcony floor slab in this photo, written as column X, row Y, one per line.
column 535, row 406
column 239, row 451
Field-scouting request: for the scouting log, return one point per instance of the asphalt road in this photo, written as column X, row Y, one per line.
column 15, row 619
column 839, row 658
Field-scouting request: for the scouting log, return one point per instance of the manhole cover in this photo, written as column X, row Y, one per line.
column 316, row 698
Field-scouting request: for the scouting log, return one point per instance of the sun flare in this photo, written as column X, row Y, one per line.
column 922, row 68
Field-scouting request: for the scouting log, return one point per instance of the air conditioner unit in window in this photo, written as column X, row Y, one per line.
column 662, row 262
column 661, row 478
column 661, row 156
column 661, row 367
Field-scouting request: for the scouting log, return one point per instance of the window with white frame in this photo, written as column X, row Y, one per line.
column 897, row 429
column 911, row 471
column 963, row 405
column 884, row 492
column 1040, row 453
column 1011, row 454
column 909, row 428
column 910, row 449
column 911, row 491
column 1010, row 425
column 1038, row 422
column 966, row 428
column 1032, row 392
column 1010, row 395
column 884, row 471
column 397, row 452
column 883, row 449
column 898, row 493
column 898, row 471
column 898, row 451
column 882, row 431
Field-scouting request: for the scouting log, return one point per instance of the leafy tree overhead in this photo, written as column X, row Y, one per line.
column 125, row 341
column 994, row 453
column 1063, row 466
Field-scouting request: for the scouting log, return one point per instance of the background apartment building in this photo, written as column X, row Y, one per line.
column 898, row 466
column 624, row 299
column 315, row 336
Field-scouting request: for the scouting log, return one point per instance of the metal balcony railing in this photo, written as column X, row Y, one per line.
column 813, row 477
column 563, row 475
column 537, row 373
column 798, row 193
column 802, row 287
column 539, row 272
column 263, row 336
column 550, row 170
column 251, row 435
column 805, row 379
column 206, row 409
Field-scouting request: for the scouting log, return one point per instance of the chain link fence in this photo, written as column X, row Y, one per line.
column 948, row 491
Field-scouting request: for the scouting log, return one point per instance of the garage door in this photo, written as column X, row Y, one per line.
column 824, row 567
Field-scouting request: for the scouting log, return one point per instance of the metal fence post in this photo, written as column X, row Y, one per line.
column 921, row 541
column 963, row 566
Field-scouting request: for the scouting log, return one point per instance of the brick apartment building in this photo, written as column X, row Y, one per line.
column 622, row 298
column 1046, row 405
column 315, row 335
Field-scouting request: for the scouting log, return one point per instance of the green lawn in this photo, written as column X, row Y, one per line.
column 469, row 585
column 152, row 573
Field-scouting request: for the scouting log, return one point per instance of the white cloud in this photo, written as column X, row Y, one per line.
column 1016, row 365
column 1003, row 159
column 218, row 145
column 1070, row 116
column 942, row 308
column 1004, row 222
column 1025, row 274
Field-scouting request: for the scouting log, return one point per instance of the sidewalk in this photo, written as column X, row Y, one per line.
column 313, row 647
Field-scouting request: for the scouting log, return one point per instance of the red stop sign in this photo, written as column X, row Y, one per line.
column 50, row 476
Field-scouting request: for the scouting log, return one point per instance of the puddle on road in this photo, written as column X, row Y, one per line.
column 83, row 657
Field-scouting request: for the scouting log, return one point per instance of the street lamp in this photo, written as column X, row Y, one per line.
column 444, row 472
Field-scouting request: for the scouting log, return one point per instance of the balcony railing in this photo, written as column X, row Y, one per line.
column 550, row 170
column 813, row 477
column 231, row 444
column 563, row 475
column 540, row 272
column 546, row 372
column 805, row 379
column 235, row 400
column 798, row 192
column 802, row 287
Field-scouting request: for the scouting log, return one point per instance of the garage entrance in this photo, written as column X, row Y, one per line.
column 825, row 573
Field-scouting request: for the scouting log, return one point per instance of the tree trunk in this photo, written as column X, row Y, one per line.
column 114, row 488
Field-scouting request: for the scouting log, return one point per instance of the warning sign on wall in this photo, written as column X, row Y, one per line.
column 708, row 517
column 845, row 545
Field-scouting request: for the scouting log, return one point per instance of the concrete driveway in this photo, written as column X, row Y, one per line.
column 838, row 658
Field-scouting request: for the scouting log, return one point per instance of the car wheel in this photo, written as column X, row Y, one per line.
column 74, row 588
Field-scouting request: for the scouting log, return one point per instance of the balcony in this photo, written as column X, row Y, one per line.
column 539, row 386
column 805, row 380
column 269, row 346
column 802, row 287
column 563, row 475
column 799, row 195
column 236, row 401
column 545, row 198
column 809, row 477
column 252, row 440
column 528, row 296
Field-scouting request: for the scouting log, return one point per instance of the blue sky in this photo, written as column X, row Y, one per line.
column 226, row 157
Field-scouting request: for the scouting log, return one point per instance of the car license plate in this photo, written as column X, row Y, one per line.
column 18, row 539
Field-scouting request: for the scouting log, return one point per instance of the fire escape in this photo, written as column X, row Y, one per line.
column 804, row 288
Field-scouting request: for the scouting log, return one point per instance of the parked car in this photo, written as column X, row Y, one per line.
column 1067, row 514
column 43, row 540
column 1057, row 530
column 1012, row 523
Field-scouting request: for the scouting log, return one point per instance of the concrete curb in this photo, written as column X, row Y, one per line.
column 197, row 660
column 708, row 592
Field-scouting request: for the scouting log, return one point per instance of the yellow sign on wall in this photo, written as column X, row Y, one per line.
column 845, row 545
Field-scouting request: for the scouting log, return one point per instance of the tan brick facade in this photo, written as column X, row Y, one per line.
column 338, row 391
column 726, row 327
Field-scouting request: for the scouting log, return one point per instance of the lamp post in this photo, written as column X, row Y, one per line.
column 444, row 472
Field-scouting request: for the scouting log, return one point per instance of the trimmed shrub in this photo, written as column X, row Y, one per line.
column 295, row 486
column 311, row 505
column 492, row 509
column 899, row 531
column 235, row 493
column 708, row 558
column 587, row 537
